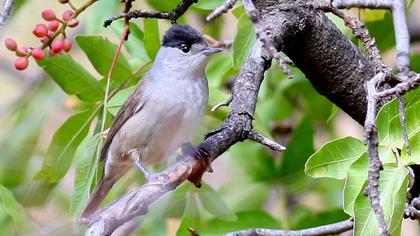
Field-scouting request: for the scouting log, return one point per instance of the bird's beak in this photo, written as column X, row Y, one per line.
column 210, row 50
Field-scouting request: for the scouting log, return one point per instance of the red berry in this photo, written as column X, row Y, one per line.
column 40, row 30
column 21, row 63
column 45, row 39
column 48, row 15
column 21, row 52
column 57, row 46
column 73, row 22
column 67, row 15
column 53, row 25
column 66, row 45
column 38, row 54
column 63, row 1
column 10, row 44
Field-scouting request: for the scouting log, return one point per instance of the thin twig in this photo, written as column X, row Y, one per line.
column 360, row 31
column 5, row 13
column 330, row 229
column 376, row 4
column 173, row 15
column 224, row 103
column 265, row 141
column 124, row 36
column 225, row 44
column 375, row 165
column 262, row 35
column 222, row 9
column 412, row 209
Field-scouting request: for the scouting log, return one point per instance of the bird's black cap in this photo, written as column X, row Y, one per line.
column 182, row 34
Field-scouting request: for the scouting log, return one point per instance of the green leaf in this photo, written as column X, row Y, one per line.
column 414, row 158
column 243, row 42
column 98, row 13
column 162, row 5
column 355, row 181
column 299, row 149
column 14, row 209
column 213, row 203
column 101, row 52
column 151, row 36
column 392, row 186
column 334, row 158
column 394, row 138
column 63, row 146
column 118, row 100
column 246, row 220
column 72, row 77
column 191, row 217
column 209, row 4
column 85, row 172
column 134, row 44
column 253, row 195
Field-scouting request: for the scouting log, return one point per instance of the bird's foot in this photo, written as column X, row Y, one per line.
column 151, row 177
column 203, row 156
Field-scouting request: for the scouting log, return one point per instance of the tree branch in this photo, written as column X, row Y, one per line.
column 222, row 9
column 173, row 15
column 335, row 228
column 5, row 13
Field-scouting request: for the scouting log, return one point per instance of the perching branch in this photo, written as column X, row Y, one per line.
column 5, row 12
column 330, row 229
column 172, row 15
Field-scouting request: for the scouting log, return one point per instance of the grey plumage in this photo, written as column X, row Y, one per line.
column 161, row 113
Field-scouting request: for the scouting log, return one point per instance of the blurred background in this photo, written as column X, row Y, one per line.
column 251, row 186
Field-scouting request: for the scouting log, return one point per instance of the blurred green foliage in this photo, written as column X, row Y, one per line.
column 296, row 189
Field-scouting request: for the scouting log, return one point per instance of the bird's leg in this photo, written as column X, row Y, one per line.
column 202, row 156
column 136, row 157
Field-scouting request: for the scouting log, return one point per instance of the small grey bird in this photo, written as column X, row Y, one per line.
column 161, row 113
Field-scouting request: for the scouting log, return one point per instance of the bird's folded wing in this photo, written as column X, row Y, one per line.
column 131, row 106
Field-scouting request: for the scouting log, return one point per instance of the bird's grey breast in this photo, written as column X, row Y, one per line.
column 172, row 109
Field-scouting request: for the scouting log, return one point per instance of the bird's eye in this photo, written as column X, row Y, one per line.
column 185, row 48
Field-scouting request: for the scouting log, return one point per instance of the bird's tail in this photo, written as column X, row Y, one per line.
column 113, row 173
column 98, row 195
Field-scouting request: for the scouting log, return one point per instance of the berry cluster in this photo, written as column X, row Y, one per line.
column 48, row 34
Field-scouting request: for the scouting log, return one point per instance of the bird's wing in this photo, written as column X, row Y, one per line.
column 131, row 106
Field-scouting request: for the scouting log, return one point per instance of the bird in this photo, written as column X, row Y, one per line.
column 162, row 112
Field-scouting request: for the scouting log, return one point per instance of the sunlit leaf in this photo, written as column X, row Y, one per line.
column 101, row 52
column 392, row 186
column 244, row 40
column 191, row 217
column 213, row 203
column 151, row 36
column 246, row 220
column 134, row 44
column 72, row 77
column 85, row 172
column 63, row 146
column 116, row 101
column 355, row 181
column 14, row 209
column 334, row 158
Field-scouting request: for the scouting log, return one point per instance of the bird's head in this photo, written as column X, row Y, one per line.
column 184, row 49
